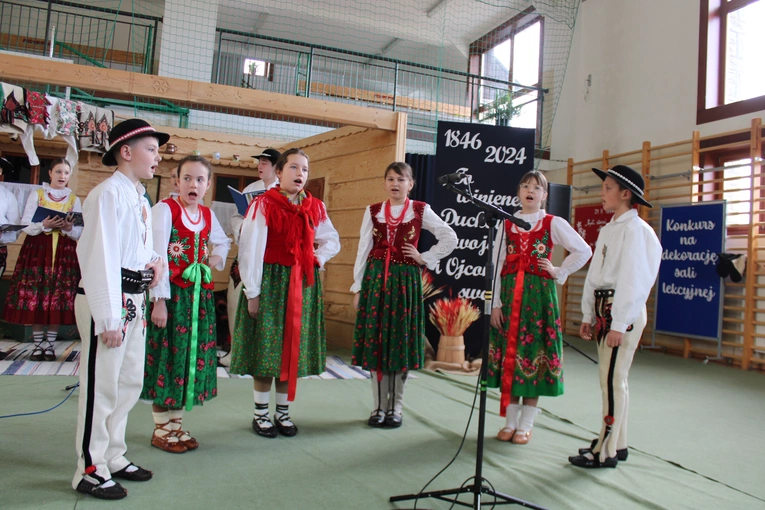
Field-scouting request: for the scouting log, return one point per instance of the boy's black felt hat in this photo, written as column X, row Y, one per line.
column 627, row 177
column 129, row 130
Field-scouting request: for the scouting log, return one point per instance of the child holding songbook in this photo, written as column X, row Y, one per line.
column 390, row 318
column 280, row 322
column 45, row 279
column 525, row 342
column 621, row 275
column 181, row 355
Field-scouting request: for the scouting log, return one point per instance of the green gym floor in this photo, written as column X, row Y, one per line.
column 696, row 441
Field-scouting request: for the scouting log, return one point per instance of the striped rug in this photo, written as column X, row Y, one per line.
column 68, row 362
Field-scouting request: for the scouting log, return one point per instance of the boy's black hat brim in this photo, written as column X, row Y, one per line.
column 621, row 180
column 133, row 128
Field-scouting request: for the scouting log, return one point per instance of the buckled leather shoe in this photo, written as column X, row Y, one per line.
column 138, row 475
column 585, row 462
column 116, row 491
column 393, row 419
column 377, row 419
column 621, row 455
column 286, row 430
column 269, row 432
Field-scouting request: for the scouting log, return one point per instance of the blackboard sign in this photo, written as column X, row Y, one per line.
column 492, row 160
column 689, row 296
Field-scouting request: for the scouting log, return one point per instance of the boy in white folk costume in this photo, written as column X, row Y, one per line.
column 116, row 249
column 622, row 272
column 267, row 173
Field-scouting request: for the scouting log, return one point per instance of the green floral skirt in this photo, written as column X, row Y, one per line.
column 256, row 348
column 167, row 351
column 539, row 362
column 390, row 325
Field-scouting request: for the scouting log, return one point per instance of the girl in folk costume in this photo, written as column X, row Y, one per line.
column 525, row 342
column 267, row 172
column 46, row 276
column 279, row 330
column 181, row 356
column 390, row 322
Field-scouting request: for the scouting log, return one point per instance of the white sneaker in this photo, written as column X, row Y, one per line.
column 225, row 360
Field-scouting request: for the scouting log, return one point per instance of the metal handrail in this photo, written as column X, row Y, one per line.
column 376, row 57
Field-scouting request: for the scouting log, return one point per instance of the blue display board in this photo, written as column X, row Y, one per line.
column 689, row 295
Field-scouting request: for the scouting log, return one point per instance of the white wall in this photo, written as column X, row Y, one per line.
column 643, row 58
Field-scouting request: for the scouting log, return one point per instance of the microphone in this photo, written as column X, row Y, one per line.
column 450, row 178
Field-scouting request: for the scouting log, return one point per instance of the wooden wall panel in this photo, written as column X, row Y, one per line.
column 355, row 195
column 347, row 255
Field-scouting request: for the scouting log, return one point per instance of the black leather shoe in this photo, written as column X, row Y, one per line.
column 621, row 455
column 393, row 420
column 139, row 475
column 116, row 491
column 585, row 462
column 286, row 430
column 269, row 432
column 49, row 354
column 37, row 354
column 376, row 419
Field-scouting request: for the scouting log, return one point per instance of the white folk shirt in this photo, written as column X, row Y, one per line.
column 162, row 226
column 117, row 234
column 563, row 235
column 61, row 195
column 445, row 235
column 9, row 215
column 237, row 219
column 626, row 259
column 252, row 248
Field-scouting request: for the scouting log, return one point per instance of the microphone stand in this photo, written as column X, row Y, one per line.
column 490, row 216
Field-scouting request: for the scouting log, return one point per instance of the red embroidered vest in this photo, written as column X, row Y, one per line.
column 291, row 230
column 528, row 248
column 180, row 251
column 408, row 232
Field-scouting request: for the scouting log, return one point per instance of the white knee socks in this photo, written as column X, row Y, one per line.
column 511, row 421
column 528, row 413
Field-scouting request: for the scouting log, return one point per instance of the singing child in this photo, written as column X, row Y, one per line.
column 280, row 331
column 389, row 339
column 116, row 249
column 46, row 275
column 181, row 355
column 526, row 341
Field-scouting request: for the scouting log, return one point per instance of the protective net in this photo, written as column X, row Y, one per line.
column 494, row 61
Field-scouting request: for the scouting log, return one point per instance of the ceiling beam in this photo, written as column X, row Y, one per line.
column 191, row 94
column 440, row 6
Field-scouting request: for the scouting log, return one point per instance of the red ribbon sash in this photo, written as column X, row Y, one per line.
column 292, row 325
column 511, row 352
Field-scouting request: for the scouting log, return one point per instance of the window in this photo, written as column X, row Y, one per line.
column 254, row 68
column 728, row 175
column 737, row 192
column 23, row 172
column 731, row 74
column 510, row 53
